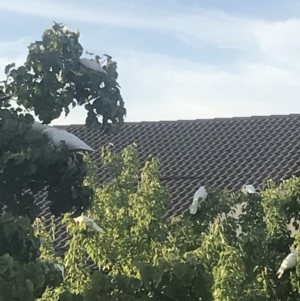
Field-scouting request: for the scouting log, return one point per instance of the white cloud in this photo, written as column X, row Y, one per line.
column 194, row 25
column 160, row 88
column 157, row 87
column 190, row 91
column 191, row 24
column 280, row 41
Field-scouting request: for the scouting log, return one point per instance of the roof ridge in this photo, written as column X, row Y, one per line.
column 196, row 120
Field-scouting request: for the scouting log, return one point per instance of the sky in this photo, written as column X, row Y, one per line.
column 176, row 59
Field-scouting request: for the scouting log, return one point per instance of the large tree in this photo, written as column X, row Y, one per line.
column 50, row 82
column 141, row 255
column 212, row 255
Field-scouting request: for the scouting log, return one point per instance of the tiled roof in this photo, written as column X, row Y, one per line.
column 223, row 153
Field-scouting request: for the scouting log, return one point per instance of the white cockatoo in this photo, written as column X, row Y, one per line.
column 59, row 267
column 249, row 189
column 84, row 219
column 200, row 193
column 287, row 263
column 59, row 137
column 92, row 65
column 39, row 127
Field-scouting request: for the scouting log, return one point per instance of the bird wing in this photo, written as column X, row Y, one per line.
column 39, row 127
column 84, row 219
column 71, row 141
column 91, row 223
column 290, row 261
column 87, row 220
column 200, row 193
column 97, row 228
column 90, row 64
column 287, row 263
column 59, row 267
column 194, row 206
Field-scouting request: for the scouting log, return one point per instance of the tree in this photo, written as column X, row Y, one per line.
column 143, row 256
column 48, row 83
column 53, row 79
column 212, row 255
column 138, row 257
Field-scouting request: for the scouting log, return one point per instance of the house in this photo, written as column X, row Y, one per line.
column 222, row 152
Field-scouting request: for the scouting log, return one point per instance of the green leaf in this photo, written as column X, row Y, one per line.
column 5, row 263
column 8, row 68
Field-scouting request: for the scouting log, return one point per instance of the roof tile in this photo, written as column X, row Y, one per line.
column 222, row 152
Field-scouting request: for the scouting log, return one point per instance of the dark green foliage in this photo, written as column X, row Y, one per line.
column 48, row 83
column 17, row 239
column 52, row 80
column 215, row 254
column 25, row 281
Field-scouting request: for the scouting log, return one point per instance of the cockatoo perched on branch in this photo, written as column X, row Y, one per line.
column 88, row 222
column 200, row 193
column 59, row 137
column 56, row 136
column 39, row 127
column 92, row 65
column 59, row 267
column 287, row 263
column 249, row 189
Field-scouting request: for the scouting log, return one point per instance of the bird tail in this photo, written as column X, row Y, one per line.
column 193, row 209
column 280, row 272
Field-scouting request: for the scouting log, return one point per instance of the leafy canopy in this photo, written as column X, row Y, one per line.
column 52, row 79
column 50, row 82
column 144, row 256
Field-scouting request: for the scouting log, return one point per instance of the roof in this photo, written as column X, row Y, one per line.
column 222, row 152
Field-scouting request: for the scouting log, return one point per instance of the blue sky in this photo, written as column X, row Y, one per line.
column 177, row 59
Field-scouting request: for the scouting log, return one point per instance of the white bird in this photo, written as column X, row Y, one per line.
column 200, row 193
column 249, row 189
column 91, row 64
column 89, row 222
column 59, row 137
column 287, row 263
column 59, row 267
column 39, row 127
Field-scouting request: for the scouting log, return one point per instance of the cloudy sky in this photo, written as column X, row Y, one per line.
column 177, row 59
